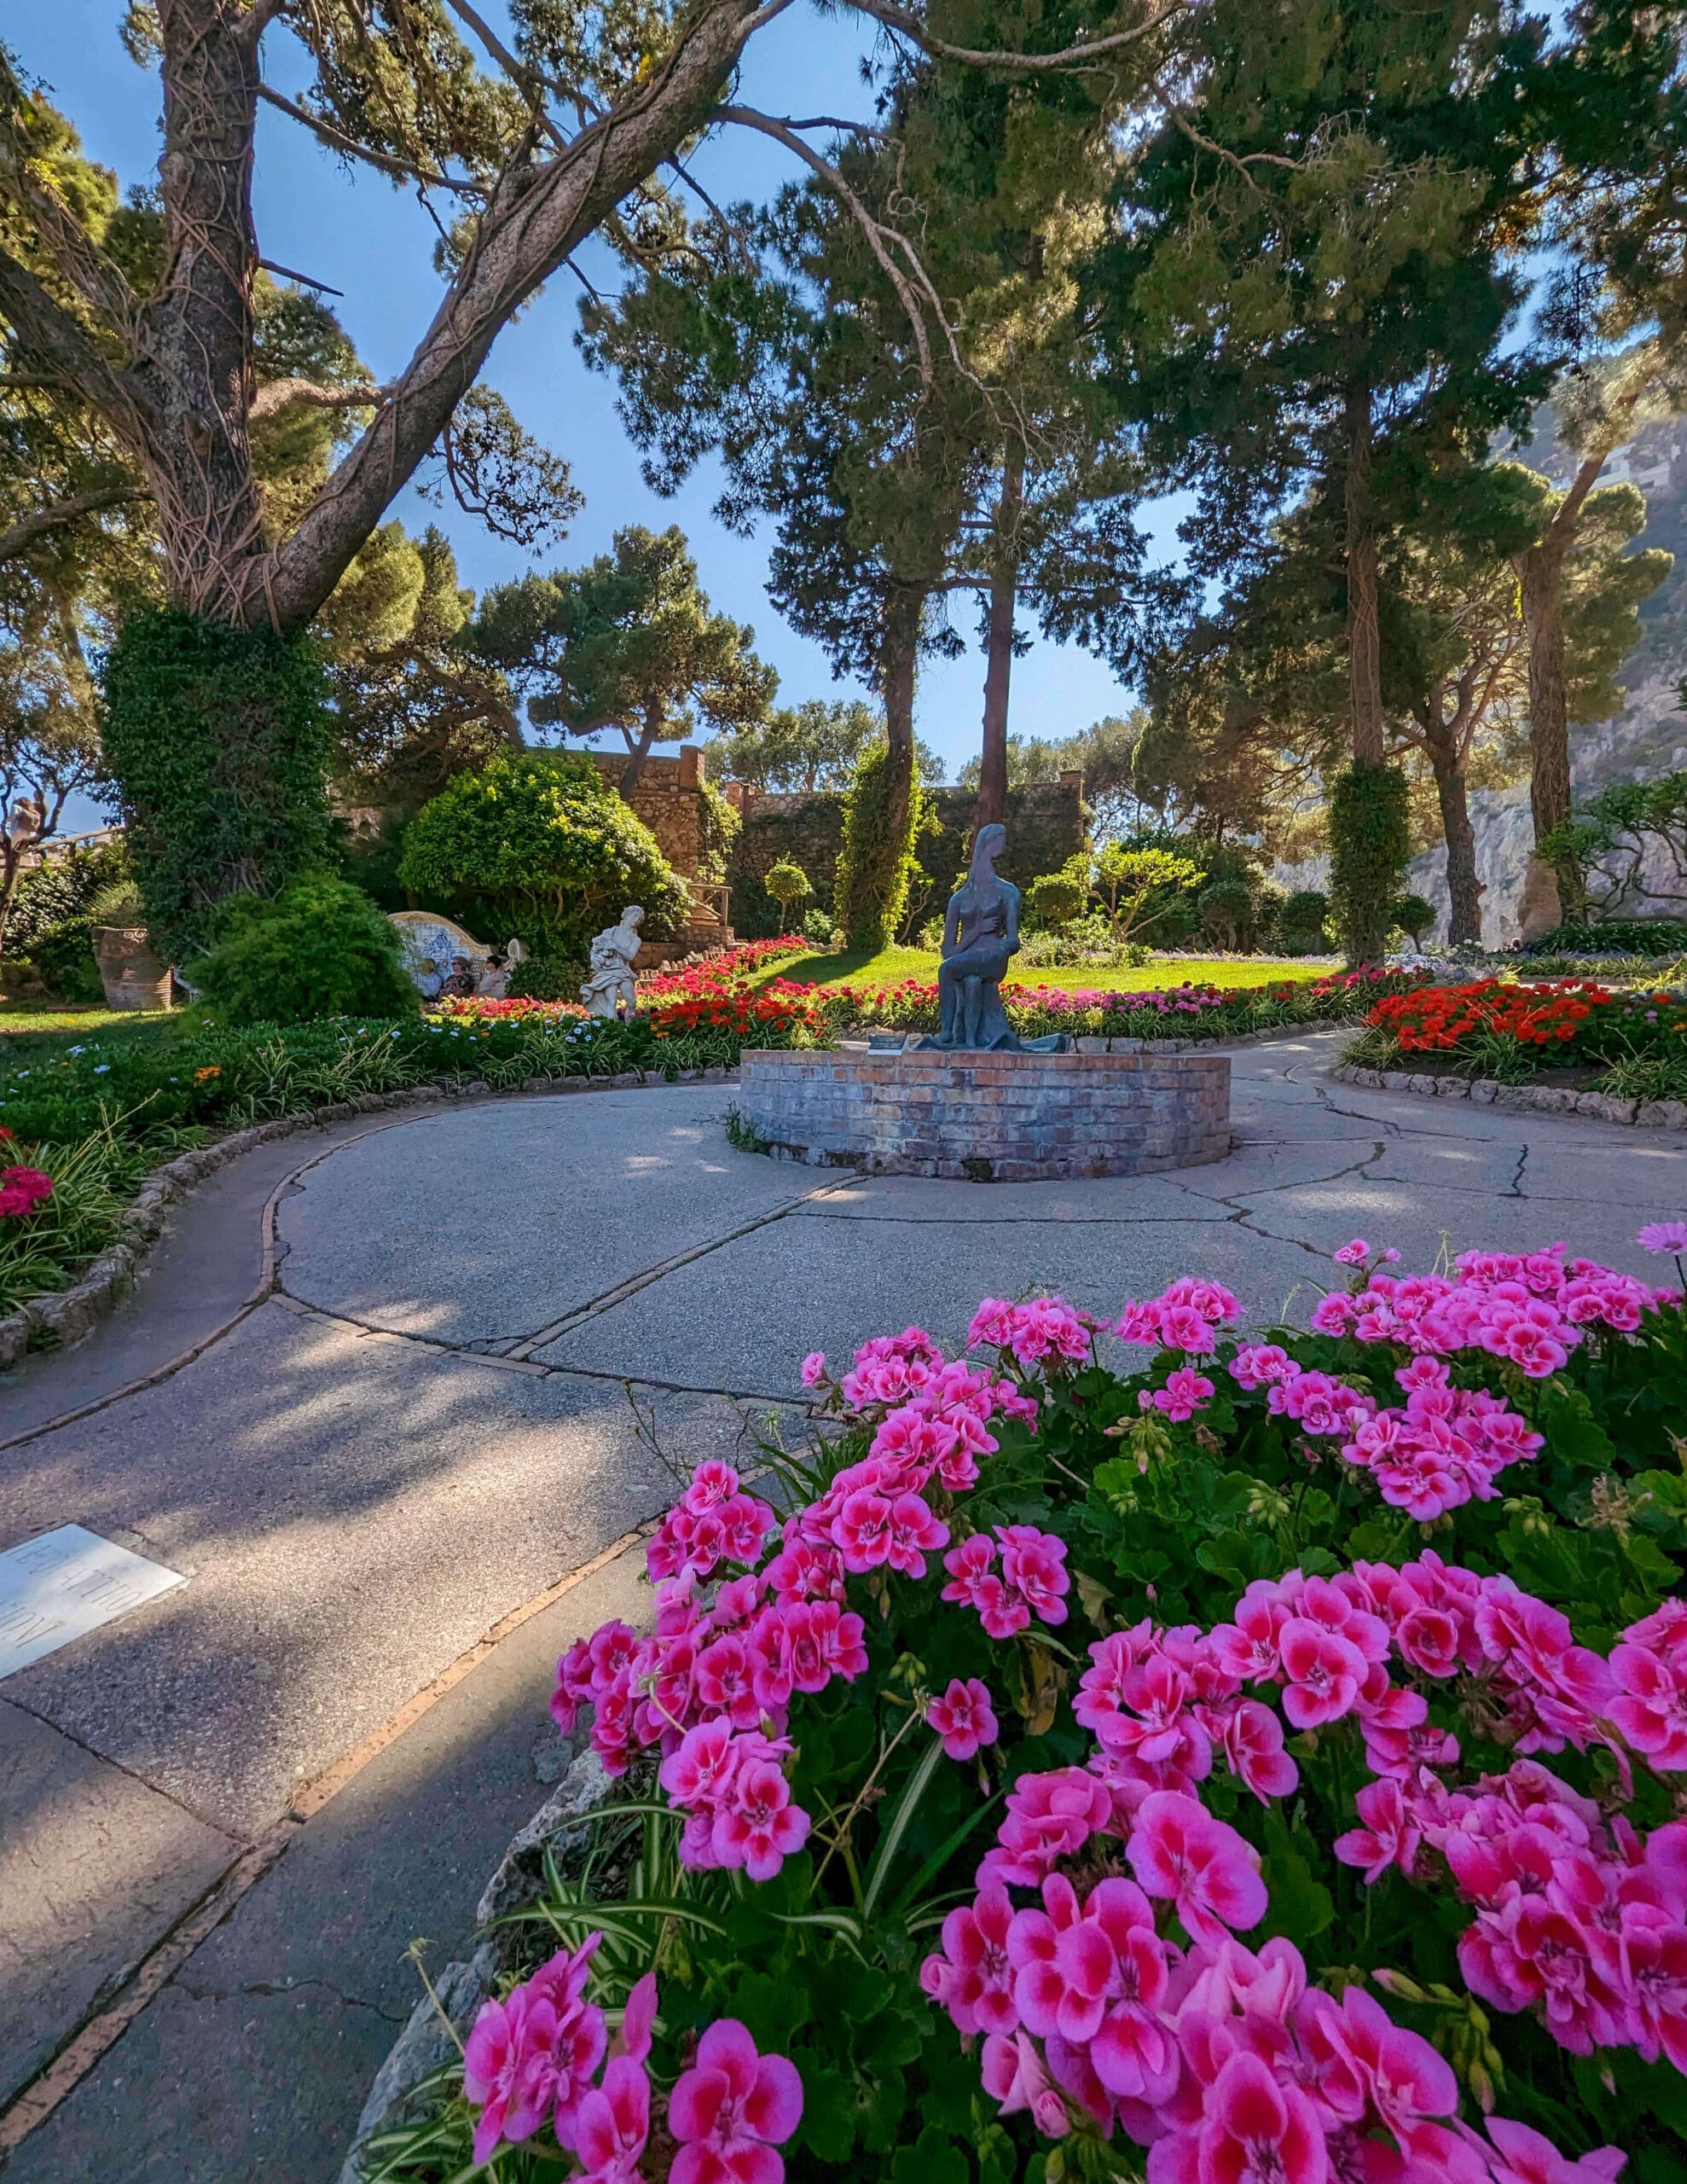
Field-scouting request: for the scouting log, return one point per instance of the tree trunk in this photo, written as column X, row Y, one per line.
column 1365, row 656
column 999, row 645
column 1540, row 571
column 1464, row 914
column 633, row 772
column 897, row 665
column 192, row 365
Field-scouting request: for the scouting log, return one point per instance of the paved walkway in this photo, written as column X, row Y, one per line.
column 426, row 1428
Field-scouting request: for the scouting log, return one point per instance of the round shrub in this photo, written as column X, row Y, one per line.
column 1412, row 915
column 321, row 947
column 1226, row 908
column 787, row 883
column 1055, row 898
column 548, row 978
column 538, row 843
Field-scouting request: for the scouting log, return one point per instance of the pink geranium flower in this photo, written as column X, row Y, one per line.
column 758, row 1827
column 964, row 1718
column 1353, row 1254
column 509, row 2072
column 614, row 2125
column 1178, row 1850
column 732, row 2109
column 1251, row 2128
column 813, row 1368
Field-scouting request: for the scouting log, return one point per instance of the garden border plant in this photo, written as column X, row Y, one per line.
column 1234, row 1535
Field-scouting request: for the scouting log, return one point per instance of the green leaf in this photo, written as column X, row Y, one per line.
column 933, row 2159
column 896, row 1826
column 828, row 2111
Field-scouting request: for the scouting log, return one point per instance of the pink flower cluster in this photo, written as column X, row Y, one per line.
column 1442, row 1447
column 1532, row 1308
column 1032, row 1578
column 23, row 1189
column 1044, row 1328
column 534, row 2055
column 1224, row 2063
column 711, row 1685
column 1186, row 1316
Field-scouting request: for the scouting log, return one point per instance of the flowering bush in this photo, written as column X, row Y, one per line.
column 23, row 1189
column 1492, row 1028
column 1095, row 1769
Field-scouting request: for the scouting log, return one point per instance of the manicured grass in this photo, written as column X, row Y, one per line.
column 892, row 965
column 28, row 1029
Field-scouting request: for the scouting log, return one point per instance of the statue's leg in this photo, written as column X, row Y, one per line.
column 973, row 1009
column 946, row 1004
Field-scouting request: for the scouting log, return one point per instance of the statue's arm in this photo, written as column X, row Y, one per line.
column 1013, row 917
column 952, row 925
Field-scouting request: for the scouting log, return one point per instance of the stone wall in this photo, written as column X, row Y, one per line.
column 1046, row 826
column 668, row 800
column 989, row 1117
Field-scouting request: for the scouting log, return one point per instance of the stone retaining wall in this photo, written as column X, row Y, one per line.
column 1541, row 1099
column 987, row 1117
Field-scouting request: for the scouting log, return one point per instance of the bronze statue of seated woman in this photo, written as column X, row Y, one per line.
column 981, row 933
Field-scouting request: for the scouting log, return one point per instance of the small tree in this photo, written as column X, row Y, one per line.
column 1055, row 898
column 788, row 884
column 1134, row 884
column 628, row 643
column 1413, row 917
column 543, row 843
column 46, row 756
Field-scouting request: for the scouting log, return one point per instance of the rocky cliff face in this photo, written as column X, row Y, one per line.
column 1646, row 738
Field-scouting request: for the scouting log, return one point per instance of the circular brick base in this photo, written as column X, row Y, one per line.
column 986, row 1117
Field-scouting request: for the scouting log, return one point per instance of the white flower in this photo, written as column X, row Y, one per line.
column 102, row 1069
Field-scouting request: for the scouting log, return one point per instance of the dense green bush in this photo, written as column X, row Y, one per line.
column 319, row 949
column 1226, row 908
column 539, row 843
column 218, row 740
column 1621, row 936
column 1413, row 915
column 550, row 977
column 1369, row 843
column 877, row 861
column 1055, row 898
column 51, row 923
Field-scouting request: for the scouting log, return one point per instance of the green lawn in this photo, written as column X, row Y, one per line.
column 40, row 1027
column 892, row 965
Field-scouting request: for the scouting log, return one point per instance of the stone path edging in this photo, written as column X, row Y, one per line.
column 1542, row 1099
column 441, row 2020
column 70, row 1314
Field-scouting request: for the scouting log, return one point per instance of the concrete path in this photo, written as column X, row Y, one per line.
column 427, row 1427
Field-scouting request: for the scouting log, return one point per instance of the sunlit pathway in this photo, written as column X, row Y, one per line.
column 427, row 1426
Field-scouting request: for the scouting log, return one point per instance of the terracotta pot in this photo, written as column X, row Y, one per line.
column 133, row 976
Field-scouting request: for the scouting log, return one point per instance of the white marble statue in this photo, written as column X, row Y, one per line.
column 611, row 990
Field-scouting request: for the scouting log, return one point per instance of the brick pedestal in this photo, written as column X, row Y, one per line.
column 989, row 1117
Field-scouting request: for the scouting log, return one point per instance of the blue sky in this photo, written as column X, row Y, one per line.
column 356, row 233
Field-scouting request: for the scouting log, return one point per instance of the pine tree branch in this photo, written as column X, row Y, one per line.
column 1071, row 57
column 349, row 147
column 276, row 395
column 23, row 534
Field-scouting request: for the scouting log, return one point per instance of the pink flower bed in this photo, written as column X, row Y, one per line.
column 1373, row 1868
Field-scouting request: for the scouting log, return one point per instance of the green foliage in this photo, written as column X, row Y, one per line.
column 1370, row 844
column 219, row 741
column 547, row 846
column 1610, row 841
column 50, row 923
column 1138, row 885
column 1226, row 908
column 882, row 817
column 1658, row 937
column 1300, row 922
column 629, row 642
column 321, row 947
column 815, row 746
column 1411, row 915
column 1055, row 898
column 787, row 883
column 553, row 976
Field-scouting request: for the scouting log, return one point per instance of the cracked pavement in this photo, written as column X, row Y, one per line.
column 427, row 1425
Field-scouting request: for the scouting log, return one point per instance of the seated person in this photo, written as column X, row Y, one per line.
column 461, row 983
column 494, row 980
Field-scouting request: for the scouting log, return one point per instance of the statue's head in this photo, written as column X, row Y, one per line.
column 991, row 842
column 633, row 916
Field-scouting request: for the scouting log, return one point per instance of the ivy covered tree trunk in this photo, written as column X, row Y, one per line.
column 1370, row 841
column 903, row 611
column 219, row 740
column 1365, row 647
column 881, row 813
column 998, row 647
